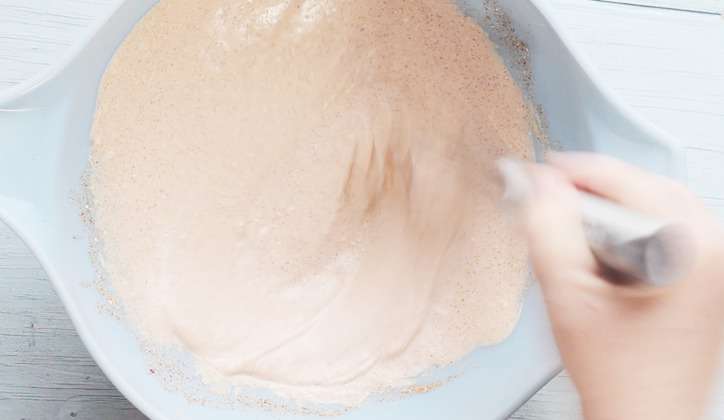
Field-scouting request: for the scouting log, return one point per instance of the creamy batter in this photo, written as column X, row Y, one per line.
column 300, row 192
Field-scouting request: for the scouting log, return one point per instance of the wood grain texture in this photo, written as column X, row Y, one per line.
column 667, row 65
column 704, row 6
column 45, row 371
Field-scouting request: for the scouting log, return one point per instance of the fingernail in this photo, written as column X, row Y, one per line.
column 517, row 184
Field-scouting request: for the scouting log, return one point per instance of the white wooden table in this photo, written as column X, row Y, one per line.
column 669, row 65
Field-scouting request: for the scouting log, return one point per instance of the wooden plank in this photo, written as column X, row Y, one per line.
column 36, row 33
column 45, row 371
column 702, row 6
column 669, row 66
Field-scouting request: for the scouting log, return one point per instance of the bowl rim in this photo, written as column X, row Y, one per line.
column 27, row 87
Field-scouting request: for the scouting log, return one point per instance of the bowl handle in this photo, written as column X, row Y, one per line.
column 28, row 162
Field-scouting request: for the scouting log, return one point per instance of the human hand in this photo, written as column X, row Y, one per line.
column 631, row 355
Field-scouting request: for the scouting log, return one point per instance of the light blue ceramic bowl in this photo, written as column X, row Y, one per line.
column 44, row 144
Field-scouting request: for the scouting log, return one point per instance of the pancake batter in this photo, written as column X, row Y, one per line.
column 300, row 192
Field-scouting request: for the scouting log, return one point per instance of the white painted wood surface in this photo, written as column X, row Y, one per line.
column 706, row 6
column 668, row 65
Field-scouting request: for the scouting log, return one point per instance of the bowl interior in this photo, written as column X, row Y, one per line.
column 44, row 153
